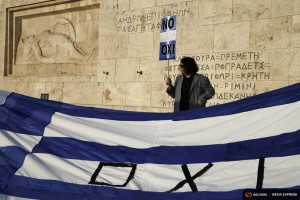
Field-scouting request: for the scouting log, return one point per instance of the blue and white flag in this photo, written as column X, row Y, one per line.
column 167, row 48
column 51, row 150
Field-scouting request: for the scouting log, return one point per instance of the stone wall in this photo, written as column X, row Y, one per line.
column 88, row 52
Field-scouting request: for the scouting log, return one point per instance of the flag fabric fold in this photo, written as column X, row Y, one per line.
column 52, row 150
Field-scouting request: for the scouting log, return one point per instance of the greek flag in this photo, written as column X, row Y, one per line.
column 51, row 150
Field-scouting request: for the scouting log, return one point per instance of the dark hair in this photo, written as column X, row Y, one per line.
column 189, row 65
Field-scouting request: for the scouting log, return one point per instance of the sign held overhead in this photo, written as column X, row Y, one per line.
column 167, row 50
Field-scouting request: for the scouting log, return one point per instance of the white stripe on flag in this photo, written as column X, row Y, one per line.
column 3, row 96
column 26, row 142
column 282, row 172
column 222, row 176
column 253, row 124
column 6, row 197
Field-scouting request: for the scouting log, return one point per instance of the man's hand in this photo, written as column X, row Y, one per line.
column 200, row 104
column 168, row 82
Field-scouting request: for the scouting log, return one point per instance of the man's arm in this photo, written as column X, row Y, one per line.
column 208, row 94
column 171, row 89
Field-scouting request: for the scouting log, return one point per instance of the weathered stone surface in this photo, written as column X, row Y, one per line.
column 138, row 4
column 106, row 66
column 156, row 45
column 107, row 24
column 153, row 69
column 186, row 12
column 21, row 88
column 90, row 69
column 296, row 31
column 271, row 33
column 92, row 93
column 72, row 93
column 281, row 62
column 159, row 97
column 71, row 68
column 114, row 94
column 166, row 2
column 156, row 110
column 138, row 94
column 116, row 46
column 231, row 36
column 111, row 6
column 7, row 86
column 294, row 69
column 43, row 69
column 126, row 70
column 140, row 44
column 1, row 20
column 197, row 40
column 101, row 53
column 36, row 89
column 267, row 86
column 55, row 91
column 293, row 82
column 2, row 5
column 215, row 11
column 287, row 7
column 20, row 70
column 251, row 9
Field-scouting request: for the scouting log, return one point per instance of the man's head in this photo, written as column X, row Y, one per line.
column 188, row 66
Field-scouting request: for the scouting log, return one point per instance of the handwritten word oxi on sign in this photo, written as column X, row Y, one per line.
column 167, row 49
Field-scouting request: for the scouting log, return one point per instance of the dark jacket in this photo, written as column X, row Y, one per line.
column 201, row 89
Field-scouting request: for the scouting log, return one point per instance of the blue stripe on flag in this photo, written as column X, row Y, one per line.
column 26, row 115
column 11, row 159
column 30, row 116
column 50, row 189
column 276, row 146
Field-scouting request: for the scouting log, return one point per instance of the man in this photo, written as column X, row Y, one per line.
column 191, row 90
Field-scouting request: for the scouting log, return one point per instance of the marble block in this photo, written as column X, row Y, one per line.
column 251, row 9
column 92, row 93
column 197, row 40
column 159, row 97
column 286, row 7
column 138, row 94
column 126, row 70
column 72, row 93
column 114, row 94
column 116, row 46
column 296, row 31
column 138, row 4
column 231, row 36
column 153, row 69
column 140, row 44
column 107, row 24
column 271, row 33
column 106, row 66
column 215, row 11
column 55, row 91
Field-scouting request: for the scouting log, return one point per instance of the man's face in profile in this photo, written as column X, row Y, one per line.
column 180, row 68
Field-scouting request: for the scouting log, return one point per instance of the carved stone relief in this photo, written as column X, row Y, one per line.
column 57, row 39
